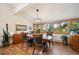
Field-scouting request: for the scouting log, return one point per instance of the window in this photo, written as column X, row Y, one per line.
column 56, row 25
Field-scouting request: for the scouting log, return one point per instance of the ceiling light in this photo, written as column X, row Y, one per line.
column 37, row 20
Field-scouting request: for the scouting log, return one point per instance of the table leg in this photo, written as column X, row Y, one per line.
column 49, row 44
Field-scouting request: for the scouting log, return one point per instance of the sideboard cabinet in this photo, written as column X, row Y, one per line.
column 74, row 42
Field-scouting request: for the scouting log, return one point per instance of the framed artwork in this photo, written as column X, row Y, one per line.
column 30, row 27
column 21, row 27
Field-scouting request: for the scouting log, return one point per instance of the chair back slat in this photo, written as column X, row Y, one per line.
column 38, row 39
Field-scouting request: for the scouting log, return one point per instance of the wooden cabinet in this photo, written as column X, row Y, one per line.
column 74, row 42
column 17, row 38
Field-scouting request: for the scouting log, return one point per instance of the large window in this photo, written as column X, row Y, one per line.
column 56, row 28
column 59, row 27
column 65, row 27
column 75, row 26
column 43, row 27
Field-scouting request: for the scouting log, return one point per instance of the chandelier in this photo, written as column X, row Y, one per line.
column 37, row 20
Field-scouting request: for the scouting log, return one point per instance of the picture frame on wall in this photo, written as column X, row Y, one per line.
column 30, row 27
column 21, row 27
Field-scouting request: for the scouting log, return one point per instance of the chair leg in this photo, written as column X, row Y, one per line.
column 49, row 44
column 22, row 44
column 33, row 51
column 52, row 42
column 27, row 47
column 44, row 49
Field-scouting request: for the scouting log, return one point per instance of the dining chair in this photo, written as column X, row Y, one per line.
column 50, row 38
column 38, row 43
column 24, row 39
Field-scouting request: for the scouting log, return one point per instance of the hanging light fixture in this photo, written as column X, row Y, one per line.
column 37, row 20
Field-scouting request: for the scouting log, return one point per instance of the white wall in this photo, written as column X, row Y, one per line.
column 57, row 37
column 7, row 16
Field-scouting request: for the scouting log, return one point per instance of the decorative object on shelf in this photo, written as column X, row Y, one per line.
column 37, row 20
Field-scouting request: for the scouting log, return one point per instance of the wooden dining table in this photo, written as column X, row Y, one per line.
column 49, row 41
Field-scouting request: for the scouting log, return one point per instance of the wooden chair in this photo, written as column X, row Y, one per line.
column 38, row 43
column 24, row 39
column 29, row 40
column 50, row 36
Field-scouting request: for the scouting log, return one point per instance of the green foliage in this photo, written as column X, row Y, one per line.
column 64, row 37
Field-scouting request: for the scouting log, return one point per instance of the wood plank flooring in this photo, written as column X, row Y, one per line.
column 56, row 49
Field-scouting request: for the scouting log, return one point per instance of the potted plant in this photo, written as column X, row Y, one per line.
column 65, row 39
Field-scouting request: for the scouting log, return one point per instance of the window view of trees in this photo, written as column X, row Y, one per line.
column 75, row 26
column 61, row 27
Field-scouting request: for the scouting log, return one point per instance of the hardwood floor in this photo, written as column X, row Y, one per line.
column 56, row 49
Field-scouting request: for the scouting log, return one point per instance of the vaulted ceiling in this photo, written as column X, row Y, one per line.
column 17, row 6
column 48, row 12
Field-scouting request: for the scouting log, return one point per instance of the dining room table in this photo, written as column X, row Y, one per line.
column 46, row 39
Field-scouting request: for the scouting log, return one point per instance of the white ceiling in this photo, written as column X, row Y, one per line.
column 17, row 6
column 48, row 12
